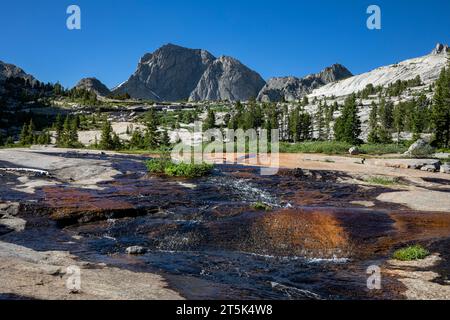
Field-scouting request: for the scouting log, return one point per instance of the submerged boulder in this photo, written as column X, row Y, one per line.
column 135, row 250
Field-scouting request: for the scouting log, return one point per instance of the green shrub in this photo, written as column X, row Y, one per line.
column 171, row 169
column 423, row 152
column 415, row 252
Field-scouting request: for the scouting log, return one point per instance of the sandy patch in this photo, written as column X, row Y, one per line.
column 422, row 200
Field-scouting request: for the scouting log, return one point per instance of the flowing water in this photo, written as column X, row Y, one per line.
column 205, row 237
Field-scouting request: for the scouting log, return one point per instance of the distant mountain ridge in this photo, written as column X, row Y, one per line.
column 174, row 73
column 293, row 88
column 11, row 71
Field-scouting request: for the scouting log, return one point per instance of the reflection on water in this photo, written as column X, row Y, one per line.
column 206, row 238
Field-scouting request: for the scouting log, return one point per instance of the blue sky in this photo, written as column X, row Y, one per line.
column 275, row 38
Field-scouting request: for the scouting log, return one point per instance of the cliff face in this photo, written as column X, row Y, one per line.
column 174, row 73
column 171, row 73
column 227, row 79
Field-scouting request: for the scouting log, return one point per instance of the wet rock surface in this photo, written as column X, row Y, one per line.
column 207, row 239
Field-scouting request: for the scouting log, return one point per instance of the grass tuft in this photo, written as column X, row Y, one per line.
column 261, row 206
column 384, row 181
column 411, row 253
column 336, row 147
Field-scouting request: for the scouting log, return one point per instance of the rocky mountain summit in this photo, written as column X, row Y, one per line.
column 441, row 48
column 292, row 88
column 11, row 71
column 428, row 67
column 227, row 79
column 171, row 73
column 174, row 73
column 94, row 85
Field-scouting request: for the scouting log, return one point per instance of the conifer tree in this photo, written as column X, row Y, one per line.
column 373, row 124
column 24, row 135
column 294, row 122
column 305, row 128
column 385, row 113
column 151, row 133
column 348, row 126
column 210, row 121
column 116, row 143
column 320, row 122
column 106, row 138
column 165, row 139
column 398, row 120
column 441, row 109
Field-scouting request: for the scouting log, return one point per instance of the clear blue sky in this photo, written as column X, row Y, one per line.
column 275, row 38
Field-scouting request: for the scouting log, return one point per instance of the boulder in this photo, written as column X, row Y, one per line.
column 445, row 168
column 420, row 163
column 135, row 250
column 419, row 148
column 354, row 151
column 430, row 168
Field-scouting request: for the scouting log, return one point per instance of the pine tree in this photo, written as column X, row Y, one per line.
column 329, row 117
column 44, row 138
column 24, row 135
column 305, row 129
column 272, row 122
column 320, row 122
column 348, row 126
column 137, row 140
column 106, row 139
column 398, row 120
column 441, row 109
column 72, row 136
column 164, row 139
column 27, row 135
column 210, row 121
column 305, row 101
column 384, row 135
column 385, row 112
column 373, row 124
column 151, row 133
column 294, row 125
column 116, row 143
